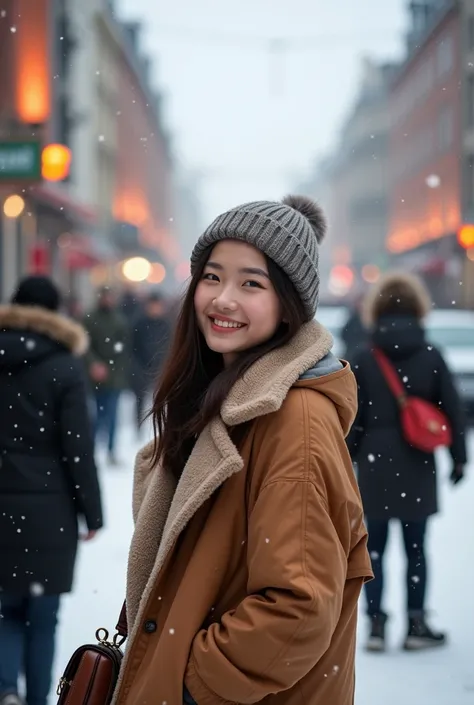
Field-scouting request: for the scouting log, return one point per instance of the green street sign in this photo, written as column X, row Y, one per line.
column 20, row 161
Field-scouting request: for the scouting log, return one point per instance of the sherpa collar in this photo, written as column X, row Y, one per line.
column 40, row 320
column 262, row 390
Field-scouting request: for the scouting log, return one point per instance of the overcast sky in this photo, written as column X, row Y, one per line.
column 250, row 123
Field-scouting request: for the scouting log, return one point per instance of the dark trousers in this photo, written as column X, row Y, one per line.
column 27, row 639
column 416, row 574
column 106, row 417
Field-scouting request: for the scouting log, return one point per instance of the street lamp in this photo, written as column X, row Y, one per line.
column 14, row 206
column 136, row 269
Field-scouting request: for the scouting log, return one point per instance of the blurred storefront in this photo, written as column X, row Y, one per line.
column 82, row 145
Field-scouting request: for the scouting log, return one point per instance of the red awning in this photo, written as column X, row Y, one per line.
column 59, row 198
column 435, row 266
column 81, row 252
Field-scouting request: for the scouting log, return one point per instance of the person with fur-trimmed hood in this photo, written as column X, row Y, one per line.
column 398, row 481
column 48, row 480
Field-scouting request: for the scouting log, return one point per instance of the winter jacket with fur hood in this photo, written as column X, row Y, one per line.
column 243, row 579
column 47, row 473
column 396, row 480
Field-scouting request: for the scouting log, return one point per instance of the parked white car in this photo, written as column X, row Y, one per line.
column 453, row 334
column 334, row 319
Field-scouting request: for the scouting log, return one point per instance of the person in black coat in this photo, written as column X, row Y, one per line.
column 48, row 480
column 354, row 333
column 150, row 340
column 396, row 480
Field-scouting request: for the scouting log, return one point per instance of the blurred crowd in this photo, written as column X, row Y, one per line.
column 60, row 385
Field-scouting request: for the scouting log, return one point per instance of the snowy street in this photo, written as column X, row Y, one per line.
column 443, row 677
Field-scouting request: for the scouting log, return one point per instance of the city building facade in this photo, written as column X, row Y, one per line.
column 431, row 150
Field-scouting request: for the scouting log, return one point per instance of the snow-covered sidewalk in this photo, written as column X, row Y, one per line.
column 444, row 677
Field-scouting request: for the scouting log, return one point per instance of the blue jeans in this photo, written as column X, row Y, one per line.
column 106, row 419
column 188, row 698
column 416, row 575
column 27, row 640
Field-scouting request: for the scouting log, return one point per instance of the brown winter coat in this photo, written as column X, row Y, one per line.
column 243, row 581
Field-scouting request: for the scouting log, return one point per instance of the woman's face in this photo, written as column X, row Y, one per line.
column 236, row 305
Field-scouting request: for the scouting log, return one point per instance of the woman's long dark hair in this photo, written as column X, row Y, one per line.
column 194, row 382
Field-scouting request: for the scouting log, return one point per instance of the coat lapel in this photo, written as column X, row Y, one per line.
column 166, row 508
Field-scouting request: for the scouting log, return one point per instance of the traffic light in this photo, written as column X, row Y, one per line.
column 466, row 236
column 55, row 162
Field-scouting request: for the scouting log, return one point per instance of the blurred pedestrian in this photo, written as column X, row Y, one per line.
column 130, row 304
column 48, row 480
column 354, row 333
column 108, row 365
column 249, row 552
column 397, row 480
column 149, row 344
column 73, row 308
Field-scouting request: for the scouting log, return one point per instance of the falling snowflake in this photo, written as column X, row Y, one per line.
column 371, row 458
column 13, row 30
column 30, row 344
column 415, row 579
column 101, row 138
column 36, row 589
column 118, row 347
column 404, row 494
column 374, row 555
column 433, row 181
column 171, row 631
column 267, row 540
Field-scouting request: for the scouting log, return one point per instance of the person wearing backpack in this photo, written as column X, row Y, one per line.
column 408, row 406
column 249, row 552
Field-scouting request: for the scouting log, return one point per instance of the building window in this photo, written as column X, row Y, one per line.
column 445, row 57
column 470, row 33
column 470, row 101
column 469, row 173
column 445, row 128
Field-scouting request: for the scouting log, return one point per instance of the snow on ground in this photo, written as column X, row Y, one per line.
column 443, row 677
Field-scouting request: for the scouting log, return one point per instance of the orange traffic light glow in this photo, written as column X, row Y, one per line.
column 55, row 162
column 466, row 236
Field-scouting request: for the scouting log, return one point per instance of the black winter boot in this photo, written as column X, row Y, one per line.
column 420, row 636
column 376, row 640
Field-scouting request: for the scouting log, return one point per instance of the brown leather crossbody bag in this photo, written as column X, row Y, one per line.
column 92, row 672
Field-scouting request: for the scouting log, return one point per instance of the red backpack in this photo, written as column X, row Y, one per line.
column 424, row 426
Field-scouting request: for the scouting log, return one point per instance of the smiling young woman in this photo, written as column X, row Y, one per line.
column 249, row 552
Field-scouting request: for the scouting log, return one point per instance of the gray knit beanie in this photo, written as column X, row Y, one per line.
column 289, row 233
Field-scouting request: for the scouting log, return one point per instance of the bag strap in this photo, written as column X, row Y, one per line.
column 391, row 377
column 122, row 626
